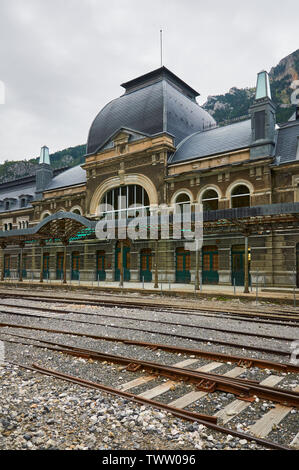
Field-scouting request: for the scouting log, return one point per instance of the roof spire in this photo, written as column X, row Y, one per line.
column 44, row 155
column 262, row 86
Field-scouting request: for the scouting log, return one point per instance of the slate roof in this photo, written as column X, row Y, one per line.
column 210, row 142
column 15, row 192
column 71, row 177
column 287, row 142
column 154, row 103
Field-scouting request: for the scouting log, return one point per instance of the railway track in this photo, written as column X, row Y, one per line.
column 221, row 342
column 153, row 382
column 204, row 383
column 148, row 320
column 292, row 315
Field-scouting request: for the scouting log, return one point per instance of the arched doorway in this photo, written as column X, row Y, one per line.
column 125, row 262
column 183, row 263
column 101, row 265
column 146, row 257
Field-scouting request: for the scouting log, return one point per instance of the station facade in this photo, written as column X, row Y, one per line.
column 155, row 145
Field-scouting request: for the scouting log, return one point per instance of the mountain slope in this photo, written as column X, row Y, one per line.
column 236, row 102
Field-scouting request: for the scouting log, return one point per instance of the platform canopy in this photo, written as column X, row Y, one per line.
column 62, row 226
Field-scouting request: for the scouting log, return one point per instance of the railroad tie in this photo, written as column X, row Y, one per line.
column 295, row 442
column 235, row 407
column 144, row 379
column 159, row 389
column 265, row 425
column 191, row 397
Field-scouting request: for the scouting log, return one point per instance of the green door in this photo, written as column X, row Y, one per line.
column 146, row 265
column 182, row 266
column 46, row 258
column 75, row 265
column 6, row 265
column 125, row 262
column 238, row 274
column 59, row 266
column 101, row 266
column 210, row 265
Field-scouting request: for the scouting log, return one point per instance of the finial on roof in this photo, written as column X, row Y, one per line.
column 262, row 86
column 44, row 155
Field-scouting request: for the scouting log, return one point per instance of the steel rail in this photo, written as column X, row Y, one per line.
column 240, row 360
column 200, row 313
column 190, row 416
column 206, row 381
column 132, row 304
column 175, row 335
column 107, row 315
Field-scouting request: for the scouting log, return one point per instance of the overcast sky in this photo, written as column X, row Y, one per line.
column 61, row 61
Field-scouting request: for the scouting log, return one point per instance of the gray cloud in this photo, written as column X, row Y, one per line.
column 62, row 60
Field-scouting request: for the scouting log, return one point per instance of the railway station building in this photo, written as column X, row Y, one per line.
column 155, row 145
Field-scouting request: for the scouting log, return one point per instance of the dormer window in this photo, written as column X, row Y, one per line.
column 23, row 202
column 6, row 205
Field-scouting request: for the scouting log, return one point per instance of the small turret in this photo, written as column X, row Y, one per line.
column 44, row 173
column 44, row 155
column 263, row 119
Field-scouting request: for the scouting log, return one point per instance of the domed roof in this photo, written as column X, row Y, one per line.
column 156, row 102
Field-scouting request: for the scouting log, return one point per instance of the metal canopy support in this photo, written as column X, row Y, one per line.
column 41, row 274
column 22, row 244
column 121, row 280
column 65, row 243
column 197, row 258
column 156, row 265
column 246, row 290
column 2, row 261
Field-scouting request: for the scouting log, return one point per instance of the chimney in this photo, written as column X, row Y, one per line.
column 263, row 119
column 44, row 173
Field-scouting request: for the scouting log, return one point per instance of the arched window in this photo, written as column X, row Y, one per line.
column 240, row 196
column 76, row 211
column 210, row 200
column 183, row 199
column 133, row 195
column 45, row 215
